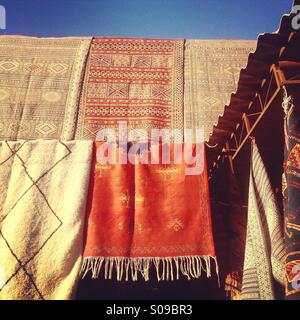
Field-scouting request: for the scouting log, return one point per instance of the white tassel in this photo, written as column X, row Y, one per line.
column 189, row 266
column 177, row 267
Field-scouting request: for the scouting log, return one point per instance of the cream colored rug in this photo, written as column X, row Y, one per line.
column 211, row 73
column 43, row 189
column 265, row 251
column 40, row 86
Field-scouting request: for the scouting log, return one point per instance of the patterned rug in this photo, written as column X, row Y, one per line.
column 40, row 81
column 212, row 69
column 144, row 217
column 43, row 189
column 135, row 80
column 265, row 251
column 291, row 193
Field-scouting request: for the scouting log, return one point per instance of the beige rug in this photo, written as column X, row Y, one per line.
column 212, row 69
column 265, row 251
column 40, row 85
column 43, row 189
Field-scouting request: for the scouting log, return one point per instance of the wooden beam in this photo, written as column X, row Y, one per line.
column 291, row 82
column 277, row 74
column 247, row 122
column 289, row 64
column 256, row 122
column 229, row 157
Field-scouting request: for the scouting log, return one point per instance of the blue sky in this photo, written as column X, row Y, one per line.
column 199, row 19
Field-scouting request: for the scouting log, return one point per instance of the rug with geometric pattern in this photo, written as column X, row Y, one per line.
column 139, row 81
column 43, row 189
column 211, row 73
column 40, row 85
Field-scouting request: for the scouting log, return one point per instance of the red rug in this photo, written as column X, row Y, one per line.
column 144, row 215
column 135, row 80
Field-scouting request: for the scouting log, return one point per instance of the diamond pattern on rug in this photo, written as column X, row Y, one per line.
column 34, row 192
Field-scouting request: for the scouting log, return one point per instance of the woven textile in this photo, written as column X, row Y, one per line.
column 212, row 69
column 40, row 84
column 43, row 189
column 143, row 215
column 265, row 251
column 291, row 193
column 135, row 80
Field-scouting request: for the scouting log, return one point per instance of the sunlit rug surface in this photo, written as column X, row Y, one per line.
column 43, row 188
column 40, row 85
column 144, row 217
column 135, row 80
column 211, row 74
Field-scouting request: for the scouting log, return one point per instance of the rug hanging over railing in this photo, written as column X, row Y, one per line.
column 43, row 189
column 211, row 74
column 265, row 251
column 135, row 80
column 291, row 193
column 144, row 217
column 40, row 84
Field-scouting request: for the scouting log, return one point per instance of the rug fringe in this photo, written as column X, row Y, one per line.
column 168, row 268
